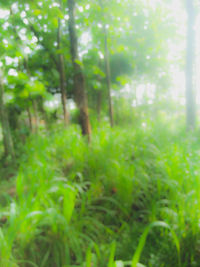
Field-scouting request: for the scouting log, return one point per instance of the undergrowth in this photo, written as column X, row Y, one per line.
column 130, row 196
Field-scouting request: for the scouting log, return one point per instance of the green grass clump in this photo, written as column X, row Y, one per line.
column 98, row 205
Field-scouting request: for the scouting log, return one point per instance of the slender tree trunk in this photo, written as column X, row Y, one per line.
column 34, row 124
column 61, row 69
column 107, row 68
column 108, row 78
column 190, row 95
column 7, row 138
column 30, row 119
column 36, row 117
column 99, row 102
column 42, row 110
column 26, row 67
column 79, row 82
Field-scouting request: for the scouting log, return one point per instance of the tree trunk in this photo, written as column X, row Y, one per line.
column 107, row 68
column 7, row 138
column 108, row 79
column 190, row 95
column 99, row 102
column 34, row 123
column 61, row 69
column 42, row 110
column 36, row 117
column 79, row 82
column 30, row 119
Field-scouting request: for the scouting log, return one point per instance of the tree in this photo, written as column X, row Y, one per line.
column 61, row 68
column 190, row 98
column 79, row 81
column 7, row 138
column 107, row 68
column 47, row 39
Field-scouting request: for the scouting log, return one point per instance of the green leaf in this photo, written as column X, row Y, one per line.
column 69, row 203
column 37, row 12
column 111, row 262
column 143, row 238
column 55, row 22
column 78, row 62
column 89, row 257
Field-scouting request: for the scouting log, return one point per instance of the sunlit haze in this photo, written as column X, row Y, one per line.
column 176, row 50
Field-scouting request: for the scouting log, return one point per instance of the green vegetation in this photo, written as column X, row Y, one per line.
column 99, row 144
column 80, row 205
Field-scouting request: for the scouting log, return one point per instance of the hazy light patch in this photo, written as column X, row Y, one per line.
column 101, row 55
column 25, row 21
column 34, row 40
column 23, row 14
column 178, row 83
column 144, row 93
column 4, row 14
column 127, row 89
column 197, row 60
column 22, row 34
column 134, row 103
column 33, row 79
column 71, row 104
column 82, row 53
column 8, row 97
column 27, row 50
column 5, row 42
column 85, row 38
column 27, row 7
column 12, row 72
column 85, row 41
column 150, row 101
column 45, row 27
column 144, row 125
column 15, row 61
column 14, row 7
column 87, row 6
column 5, row 25
column 182, row 101
column 8, row 60
column 80, row 8
column 146, row 11
column 54, row 103
column 38, row 47
column 176, row 48
column 66, row 17
column 55, row 5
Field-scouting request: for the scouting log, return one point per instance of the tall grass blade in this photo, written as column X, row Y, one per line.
column 143, row 238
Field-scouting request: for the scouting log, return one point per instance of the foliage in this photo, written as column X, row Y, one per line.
column 72, row 201
column 130, row 197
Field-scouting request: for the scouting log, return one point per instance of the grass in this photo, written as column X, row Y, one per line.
column 98, row 205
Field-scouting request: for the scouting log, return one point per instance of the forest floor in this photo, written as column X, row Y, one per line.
column 130, row 198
